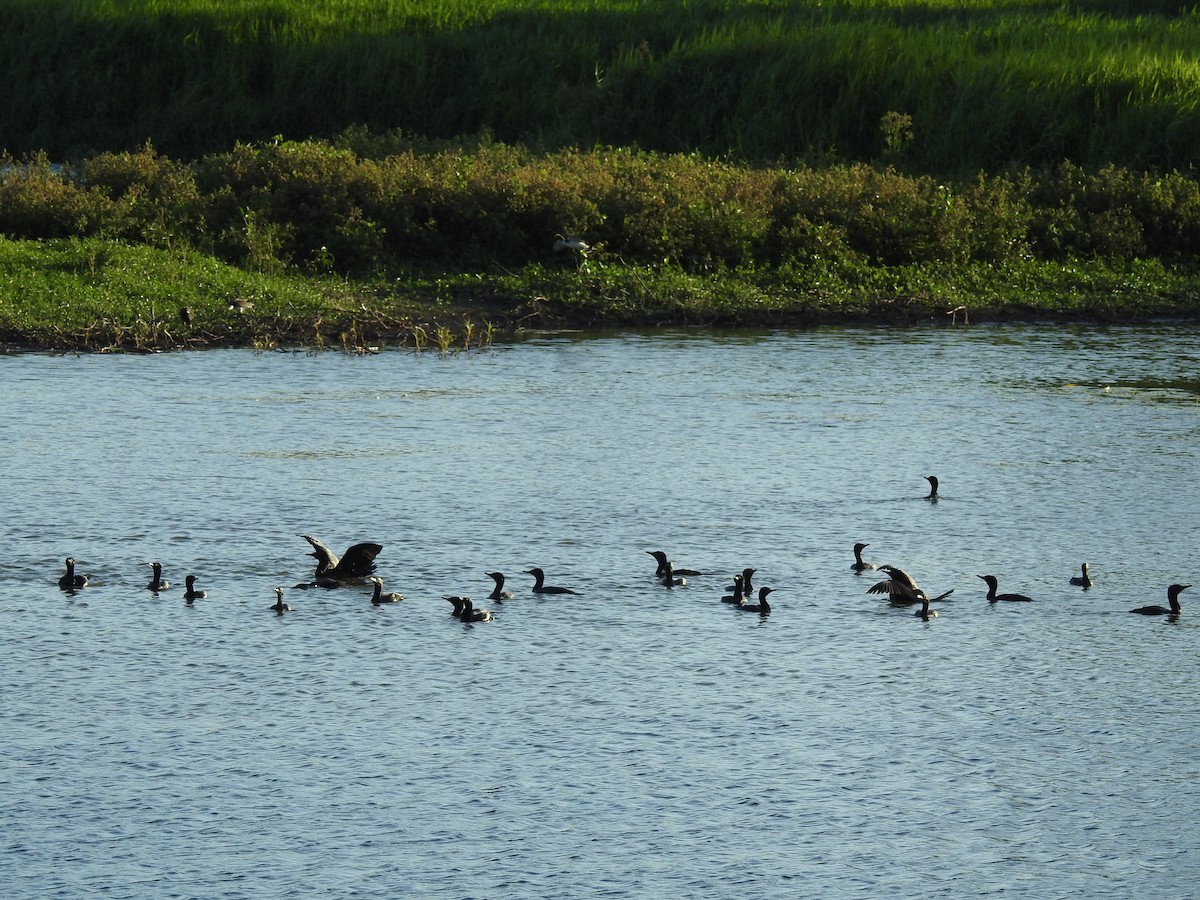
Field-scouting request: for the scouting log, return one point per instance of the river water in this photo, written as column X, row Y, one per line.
column 634, row 740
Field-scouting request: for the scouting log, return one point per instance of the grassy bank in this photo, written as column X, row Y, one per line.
column 373, row 239
column 729, row 163
column 95, row 295
column 981, row 84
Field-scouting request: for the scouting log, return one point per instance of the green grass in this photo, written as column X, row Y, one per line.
column 97, row 295
column 986, row 84
column 372, row 172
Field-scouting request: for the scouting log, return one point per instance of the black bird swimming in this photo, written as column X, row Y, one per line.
column 664, row 565
column 925, row 612
column 858, row 565
column 1084, row 580
column 356, row 562
column 71, row 581
column 539, row 587
column 747, row 582
column 1173, row 593
column 933, row 488
column 471, row 614
column 762, row 607
column 464, row 609
column 738, row 596
column 671, row 578
column 379, row 597
column 499, row 594
column 280, row 607
column 157, row 583
column 993, row 597
column 902, row 589
column 191, row 593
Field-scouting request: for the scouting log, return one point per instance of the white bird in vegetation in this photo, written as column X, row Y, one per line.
column 574, row 244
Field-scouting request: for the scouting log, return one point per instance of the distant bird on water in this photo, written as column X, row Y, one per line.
column 357, row 562
column 902, row 589
column 993, row 597
column 191, row 594
column 280, row 607
column 1173, row 593
column 738, row 596
column 664, row 565
column 858, row 565
column 70, row 581
column 1084, row 580
column 762, row 607
column 539, row 585
column 378, row 597
column 471, row 614
column 933, row 488
column 157, row 583
column 464, row 609
column 747, row 581
column 671, row 579
column 498, row 594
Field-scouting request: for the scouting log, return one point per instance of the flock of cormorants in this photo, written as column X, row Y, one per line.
column 357, row 566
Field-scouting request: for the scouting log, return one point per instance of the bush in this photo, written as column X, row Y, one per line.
column 38, row 201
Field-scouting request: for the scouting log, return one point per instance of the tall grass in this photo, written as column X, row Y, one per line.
column 986, row 84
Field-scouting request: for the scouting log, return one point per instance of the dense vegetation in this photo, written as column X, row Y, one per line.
column 799, row 161
column 984, row 83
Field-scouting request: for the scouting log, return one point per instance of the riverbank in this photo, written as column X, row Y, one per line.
column 377, row 239
column 92, row 295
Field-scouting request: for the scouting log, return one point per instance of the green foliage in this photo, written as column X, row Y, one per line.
column 315, row 208
column 36, row 201
column 940, row 86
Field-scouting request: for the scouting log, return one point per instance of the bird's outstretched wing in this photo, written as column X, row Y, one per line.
column 358, row 561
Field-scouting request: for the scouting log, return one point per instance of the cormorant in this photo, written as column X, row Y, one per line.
column 498, row 593
column 901, row 589
column 671, row 579
column 1173, row 593
column 156, row 583
column 471, row 614
column 379, row 597
column 191, row 593
column 925, row 612
column 747, row 579
column 664, row 565
column 933, row 488
column 280, row 607
column 1084, row 580
column 738, row 596
column 357, row 562
column 993, row 597
column 539, row 587
column 858, row 565
column 71, row 581
column 762, row 607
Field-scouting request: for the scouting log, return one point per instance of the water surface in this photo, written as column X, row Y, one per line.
column 631, row 741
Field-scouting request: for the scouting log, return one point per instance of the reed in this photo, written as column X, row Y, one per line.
column 985, row 84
